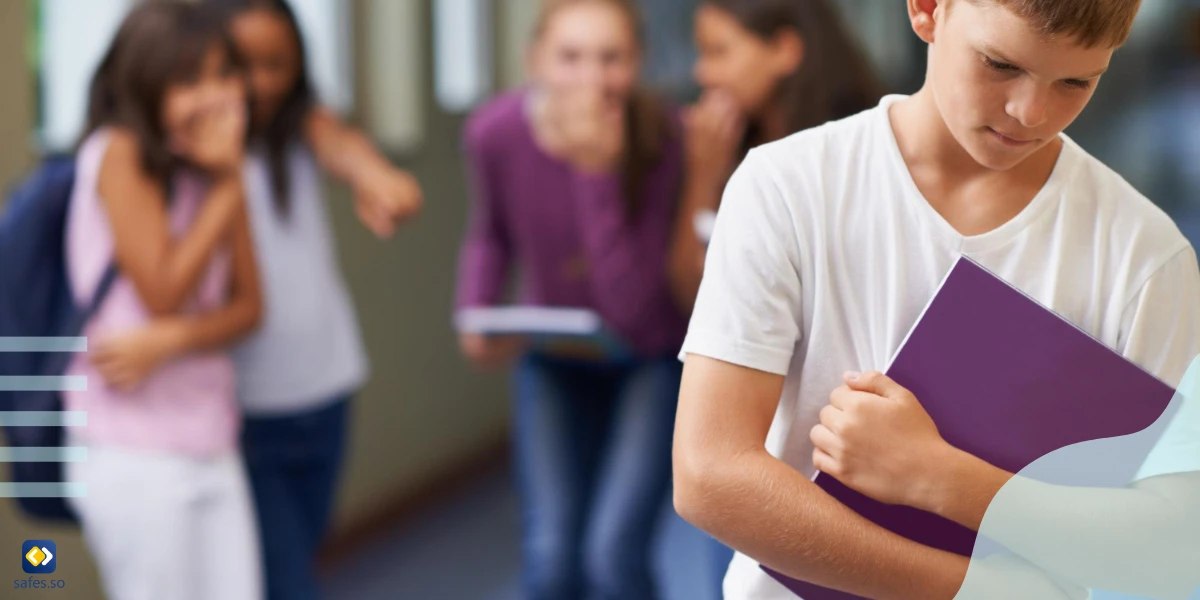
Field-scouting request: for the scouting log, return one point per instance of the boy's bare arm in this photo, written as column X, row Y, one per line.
column 729, row 485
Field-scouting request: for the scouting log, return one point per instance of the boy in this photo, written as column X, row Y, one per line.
column 829, row 244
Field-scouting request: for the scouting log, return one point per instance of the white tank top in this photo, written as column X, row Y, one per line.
column 308, row 350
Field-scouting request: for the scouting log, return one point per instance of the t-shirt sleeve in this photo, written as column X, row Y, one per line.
column 1161, row 332
column 748, row 311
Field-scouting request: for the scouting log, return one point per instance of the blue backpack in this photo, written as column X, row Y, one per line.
column 36, row 303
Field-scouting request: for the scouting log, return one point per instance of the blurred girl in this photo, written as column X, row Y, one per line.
column 769, row 68
column 576, row 180
column 159, row 193
column 297, row 374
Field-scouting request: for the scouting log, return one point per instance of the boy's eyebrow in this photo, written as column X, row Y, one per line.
column 998, row 55
column 1094, row 74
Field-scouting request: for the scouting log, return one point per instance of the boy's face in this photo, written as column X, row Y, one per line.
column 1003, row 88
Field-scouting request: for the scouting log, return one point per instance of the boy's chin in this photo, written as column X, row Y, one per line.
column 998, row 157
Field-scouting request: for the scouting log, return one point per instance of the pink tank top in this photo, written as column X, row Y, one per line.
column 188, row 405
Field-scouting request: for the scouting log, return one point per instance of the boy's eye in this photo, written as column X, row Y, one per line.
column 1081, row 84
column 996, row 65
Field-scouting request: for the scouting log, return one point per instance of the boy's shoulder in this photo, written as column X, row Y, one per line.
column 801, row 164
column 1111, row 205
column 848, row 136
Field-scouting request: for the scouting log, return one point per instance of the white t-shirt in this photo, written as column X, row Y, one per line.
column 825, row 253
column 308, row 351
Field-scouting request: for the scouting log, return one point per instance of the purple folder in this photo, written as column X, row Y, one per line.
column 1006, row 380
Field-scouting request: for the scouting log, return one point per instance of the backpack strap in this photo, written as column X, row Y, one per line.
column 106, row 283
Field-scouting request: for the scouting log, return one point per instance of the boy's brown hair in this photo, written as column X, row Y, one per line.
column 1092, row 23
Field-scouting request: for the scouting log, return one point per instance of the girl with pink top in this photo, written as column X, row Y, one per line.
column 158, row 193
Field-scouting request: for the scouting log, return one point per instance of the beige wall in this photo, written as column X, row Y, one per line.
column 516, row 20
column 423, row 410
column 16, row 103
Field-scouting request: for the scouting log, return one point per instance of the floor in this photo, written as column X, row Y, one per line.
column 466, row 550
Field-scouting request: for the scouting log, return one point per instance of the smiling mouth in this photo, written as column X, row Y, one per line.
column 1010, row 141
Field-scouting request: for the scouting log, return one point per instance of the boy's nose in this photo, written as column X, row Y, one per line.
column 1029, row 105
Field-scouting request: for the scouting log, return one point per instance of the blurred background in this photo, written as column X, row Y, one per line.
column 426, row 509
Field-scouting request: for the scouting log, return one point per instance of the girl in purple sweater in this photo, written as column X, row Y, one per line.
column 576, row 180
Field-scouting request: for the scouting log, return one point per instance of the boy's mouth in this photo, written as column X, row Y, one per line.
column 1008, row 140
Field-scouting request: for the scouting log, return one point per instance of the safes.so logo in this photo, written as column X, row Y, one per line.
column 37, row 557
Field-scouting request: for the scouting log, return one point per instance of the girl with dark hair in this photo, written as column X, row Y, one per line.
column 298, row 373
column 158, row 195
column 576, row 180
column 769, row 69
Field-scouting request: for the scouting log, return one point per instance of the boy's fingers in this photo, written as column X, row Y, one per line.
column 844, row 398
column 825, row 440
column 832, row 417
column 823, row 462
column 876, row 383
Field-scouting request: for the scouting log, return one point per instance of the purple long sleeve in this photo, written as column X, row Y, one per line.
column 487, row 251
column 568, row 233
column 627, row 258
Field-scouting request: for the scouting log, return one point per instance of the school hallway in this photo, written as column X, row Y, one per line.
column 467, row 549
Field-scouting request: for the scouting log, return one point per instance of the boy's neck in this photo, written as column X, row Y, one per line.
column 971, row 197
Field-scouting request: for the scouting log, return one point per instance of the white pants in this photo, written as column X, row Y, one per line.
column 165, row 526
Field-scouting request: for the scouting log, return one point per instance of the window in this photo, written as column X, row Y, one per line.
column 394, row 64
column 72, row 36
column 462, row 31
column 327, row 29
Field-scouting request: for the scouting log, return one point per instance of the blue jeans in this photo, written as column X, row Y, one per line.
column 293, row 462
column 593, row 462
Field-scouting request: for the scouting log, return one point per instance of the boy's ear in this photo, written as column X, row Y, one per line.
column 922, row 13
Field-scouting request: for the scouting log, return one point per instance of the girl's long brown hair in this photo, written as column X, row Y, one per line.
column 647, row 126
column 158, row 44
column 835, row 79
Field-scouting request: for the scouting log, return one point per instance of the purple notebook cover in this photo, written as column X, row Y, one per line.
column 1048, row 385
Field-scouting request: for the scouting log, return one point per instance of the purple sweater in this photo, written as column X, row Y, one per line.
column 567, row 232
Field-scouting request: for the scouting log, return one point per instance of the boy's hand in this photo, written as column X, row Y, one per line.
column 876, row 438
column 126, row 361
column 386, row 197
